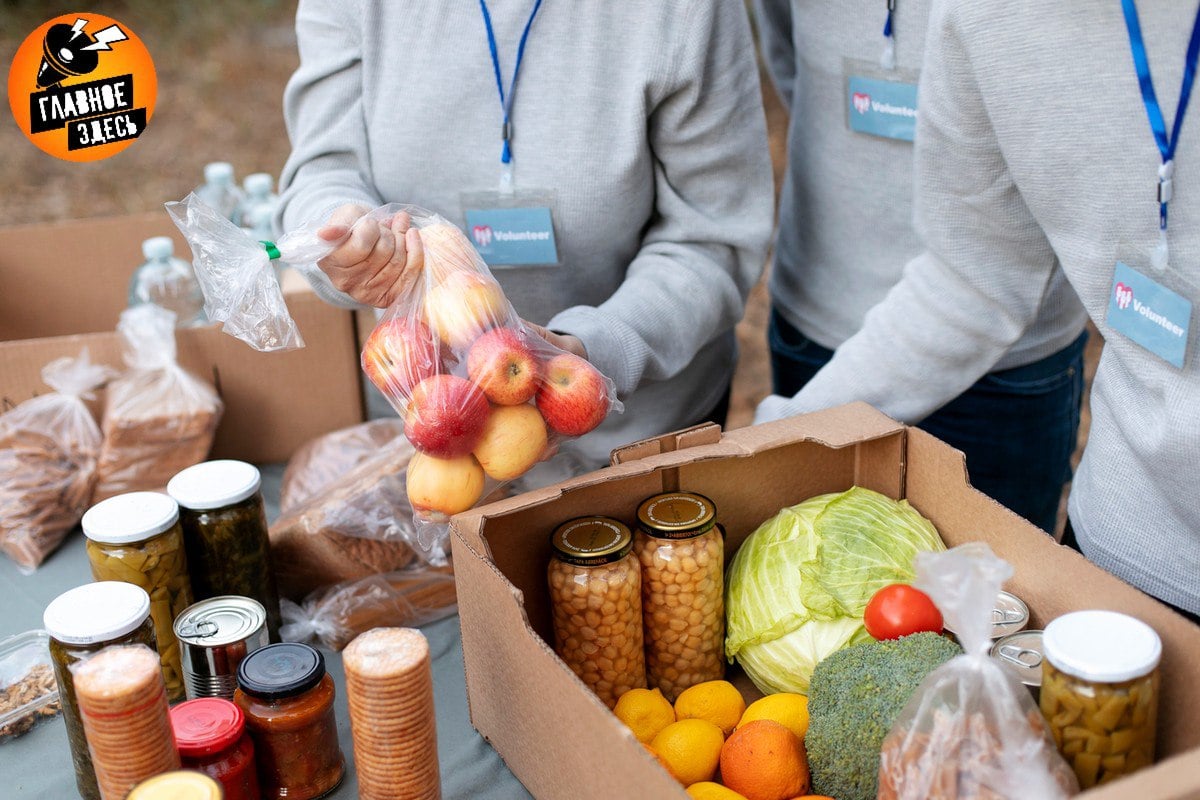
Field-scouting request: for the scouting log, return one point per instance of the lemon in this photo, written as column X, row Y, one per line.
column 707, row 790
column 645, row 711
column 691, row 749
column 786, row 708
column 719, row 702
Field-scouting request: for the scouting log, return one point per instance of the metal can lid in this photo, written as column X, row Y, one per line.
column 1009, row 615
column 178, row 785
column 591, row 541
column 214, row 484
column 132, row 517
column 96, row 612
column 676, row 515
column 1021, row 652
column 281, row 670
column 206, row 725
column 220, row 621
column 1102, row 646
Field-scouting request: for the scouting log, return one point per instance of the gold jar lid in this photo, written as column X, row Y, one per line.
column 677, row 515
column 178, row 785
column 591, row 541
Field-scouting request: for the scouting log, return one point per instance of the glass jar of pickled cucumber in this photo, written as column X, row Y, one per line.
column 596, row 600
column 682, row 553
column 136, row 538
column 225, row 532
column 82, row 622
column 1100, row 692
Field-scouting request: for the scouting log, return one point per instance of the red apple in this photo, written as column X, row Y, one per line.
column 441, row 487
column 504, row 366
column 463, row 306
column 573, row 396
column 514, row 439
column 400, row 353
column 445, row 416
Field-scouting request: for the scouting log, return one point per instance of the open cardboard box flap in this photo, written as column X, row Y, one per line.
column 562, row 742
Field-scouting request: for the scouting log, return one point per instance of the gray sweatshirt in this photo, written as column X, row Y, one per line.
column 1034, row 157
column 845, row 211
column 642, row 120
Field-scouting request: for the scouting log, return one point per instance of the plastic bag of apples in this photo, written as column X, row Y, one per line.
column 483, row 397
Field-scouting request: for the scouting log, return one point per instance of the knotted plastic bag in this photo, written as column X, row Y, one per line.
column 48, row 450
column 159, row 418
column 971, row 730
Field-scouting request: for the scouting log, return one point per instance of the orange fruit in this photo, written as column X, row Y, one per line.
column 763, row 760
column 645, row 711
column 719, row 702
column 707, row 790
column 691, row 749
column 789, row 710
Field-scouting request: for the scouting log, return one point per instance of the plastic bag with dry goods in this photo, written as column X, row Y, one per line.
column 971, row 730
column 359, row 525
column 158, row 418
column 48, row 448
column 325, row 459
column 333, row 616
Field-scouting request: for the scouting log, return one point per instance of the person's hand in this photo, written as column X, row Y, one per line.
column 773, row 407
column 563, row 341
column 378, row 261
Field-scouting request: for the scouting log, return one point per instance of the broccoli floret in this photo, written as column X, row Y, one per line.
column 855, row 696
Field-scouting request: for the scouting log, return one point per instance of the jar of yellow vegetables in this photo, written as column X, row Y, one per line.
column 1100, row 692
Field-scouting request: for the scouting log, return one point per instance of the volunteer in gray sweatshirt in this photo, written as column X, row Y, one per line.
column 636, row 134
column 846, row 232
column 1035, row 157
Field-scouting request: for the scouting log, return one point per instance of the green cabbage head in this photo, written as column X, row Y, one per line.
column 798, row 586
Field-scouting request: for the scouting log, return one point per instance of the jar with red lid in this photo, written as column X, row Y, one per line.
column 288, row 701
column 210, row 733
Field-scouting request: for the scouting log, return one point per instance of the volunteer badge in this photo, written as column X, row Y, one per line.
column 82, row 87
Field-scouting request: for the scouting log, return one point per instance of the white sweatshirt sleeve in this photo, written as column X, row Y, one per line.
column 963, row 302
column 706, row 246
column 329, row 164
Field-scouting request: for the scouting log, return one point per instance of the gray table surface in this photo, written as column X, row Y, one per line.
column 38, row 764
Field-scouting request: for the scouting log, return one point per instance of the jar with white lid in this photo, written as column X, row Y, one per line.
column 225, row 531
column 136, row 538
column 82, row 622
column 1099, row 692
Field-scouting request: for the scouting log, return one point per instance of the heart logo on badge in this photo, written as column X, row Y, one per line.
column 482, row 234
column 862, row 102
column 1123, row 295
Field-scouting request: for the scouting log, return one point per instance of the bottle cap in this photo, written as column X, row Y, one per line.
column 677, row 515
column 258, row 183
column 1101, row 646
column 214, row 484
column 158, row 247
column 591, row 541
column 219, row 173
column 206, row 725
column 132, row 517
column 96, row 612
column 179, row 785
column 280, row 670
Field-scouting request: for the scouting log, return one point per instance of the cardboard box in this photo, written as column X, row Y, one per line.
column 562, row 742
column 66, row 283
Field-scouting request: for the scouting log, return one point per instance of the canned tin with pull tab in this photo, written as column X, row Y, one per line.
column 1022, row 653
column 214, row 636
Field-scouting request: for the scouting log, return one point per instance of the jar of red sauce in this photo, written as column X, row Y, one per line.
column 288, row 701
column 210, row 733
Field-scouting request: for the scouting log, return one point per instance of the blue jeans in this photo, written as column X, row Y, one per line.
column 1018, row 427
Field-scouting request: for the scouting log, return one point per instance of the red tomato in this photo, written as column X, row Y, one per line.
column 899, row 610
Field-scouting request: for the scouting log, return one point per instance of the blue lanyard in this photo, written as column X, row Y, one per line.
column 888, row 59
column 506, row 101
column 1166, row 146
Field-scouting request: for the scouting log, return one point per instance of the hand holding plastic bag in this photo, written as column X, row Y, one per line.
column 48, row 449
column 971, row 731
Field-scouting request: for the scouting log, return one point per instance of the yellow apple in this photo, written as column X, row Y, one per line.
column 514, row 439
column 463, row 306
column 447, row 250
column 441, row 487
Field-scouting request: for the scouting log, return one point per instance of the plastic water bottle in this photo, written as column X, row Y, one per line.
column 167, row 282
column 259, row 205
column 220, row 191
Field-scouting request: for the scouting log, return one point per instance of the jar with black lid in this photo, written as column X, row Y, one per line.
column 225, row 531
column 287, row 698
